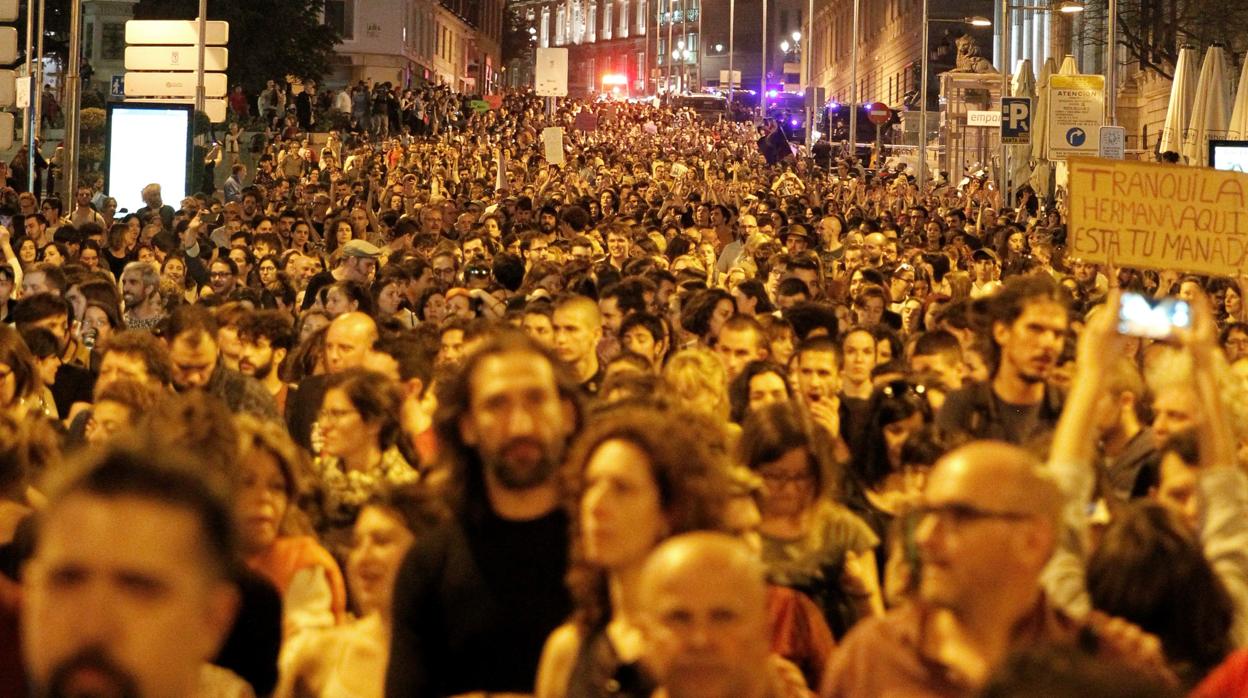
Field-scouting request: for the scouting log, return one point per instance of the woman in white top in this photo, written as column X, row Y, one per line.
column 349, row 661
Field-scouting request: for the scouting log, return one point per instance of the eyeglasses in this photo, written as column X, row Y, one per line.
column 781, row 478
column 334, row 415
column 960, row 513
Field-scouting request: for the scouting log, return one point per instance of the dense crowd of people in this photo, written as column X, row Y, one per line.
column 441, row 408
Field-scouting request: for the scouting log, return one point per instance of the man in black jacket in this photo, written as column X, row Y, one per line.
column 476, row 598
column 1029, row 322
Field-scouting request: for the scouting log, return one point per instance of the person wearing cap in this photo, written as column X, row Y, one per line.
column 796, row 238
column 357, row 261
column 987, row 266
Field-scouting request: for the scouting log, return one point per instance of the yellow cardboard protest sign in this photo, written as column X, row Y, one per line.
column 1158, row 216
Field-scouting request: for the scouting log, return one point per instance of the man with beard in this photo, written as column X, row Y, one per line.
column 191, row 334
column 266, row 337
column 1028, row 331
column 140, row 289
column 548, row 221
column 223, row 276
column 128, row 592
column 476, row 598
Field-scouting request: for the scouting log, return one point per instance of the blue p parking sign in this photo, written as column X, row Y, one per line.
column 1016, row 120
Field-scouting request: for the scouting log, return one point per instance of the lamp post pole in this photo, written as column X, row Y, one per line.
column 1111, row 63
column 853, row 89
column 732, row 35
column 762, row 94
column 1003, row 151
column 922, row 142
column 37, row 95
column 28, row 134
column 808, row 51
column 73, row 90
column 701, row 49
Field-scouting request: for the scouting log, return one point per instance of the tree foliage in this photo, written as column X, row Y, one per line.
column 269, row 39
column 518, row 43
column 1153, row 31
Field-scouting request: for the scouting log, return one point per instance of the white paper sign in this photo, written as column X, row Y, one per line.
column 552, row 142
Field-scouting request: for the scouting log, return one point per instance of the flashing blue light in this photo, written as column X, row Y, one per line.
column 772, row 93
column 795, row 122
column 834, row 106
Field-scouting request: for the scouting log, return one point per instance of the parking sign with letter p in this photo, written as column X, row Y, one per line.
column 1016, row 120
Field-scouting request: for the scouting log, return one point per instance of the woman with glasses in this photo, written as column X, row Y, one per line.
column 358, row 427
column 636, row 477
column 811, row 542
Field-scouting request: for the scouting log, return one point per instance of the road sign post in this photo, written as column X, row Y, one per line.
column 551, row 74
column 1016, row 120
column 1076, row 114
column 165, row 58
column 1113, row 145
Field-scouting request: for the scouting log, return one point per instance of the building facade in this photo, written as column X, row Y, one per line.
column 410, row 42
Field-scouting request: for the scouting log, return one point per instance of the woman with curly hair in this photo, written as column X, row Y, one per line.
column 635, row 477
column 275, row 534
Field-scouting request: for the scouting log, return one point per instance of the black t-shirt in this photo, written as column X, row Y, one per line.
column 251, row 648
column 473, row 604
column 976, row 411
column 73, row 384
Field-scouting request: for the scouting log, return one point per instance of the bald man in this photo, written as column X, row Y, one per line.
column 703, row 602
column 988, row 528
column 348, row 341
column 578, row 329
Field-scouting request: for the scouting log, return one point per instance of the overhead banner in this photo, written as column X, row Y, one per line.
column 1156, row 216
column 1076, row 114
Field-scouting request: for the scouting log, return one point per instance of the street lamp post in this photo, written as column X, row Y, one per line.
column 762, row 95
column 73, row 91
column 701, row 50
column 808, row 57
column 1111, row 63
column 28, row 116
column 732, row 35
column 853, row 77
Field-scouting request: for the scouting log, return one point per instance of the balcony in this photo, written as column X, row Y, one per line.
column 678, row 16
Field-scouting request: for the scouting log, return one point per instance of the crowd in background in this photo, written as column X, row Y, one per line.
column 433, row 406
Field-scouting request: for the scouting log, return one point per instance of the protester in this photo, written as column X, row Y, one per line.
column 422, row 303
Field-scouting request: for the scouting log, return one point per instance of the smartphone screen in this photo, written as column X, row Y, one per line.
column 1141, row 316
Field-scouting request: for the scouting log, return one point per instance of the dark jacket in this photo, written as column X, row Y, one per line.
column 975, row 411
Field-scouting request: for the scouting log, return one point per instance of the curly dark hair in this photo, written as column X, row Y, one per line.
column 691, row 478
column 1149, row 569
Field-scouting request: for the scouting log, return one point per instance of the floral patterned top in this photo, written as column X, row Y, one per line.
column 343, row 493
